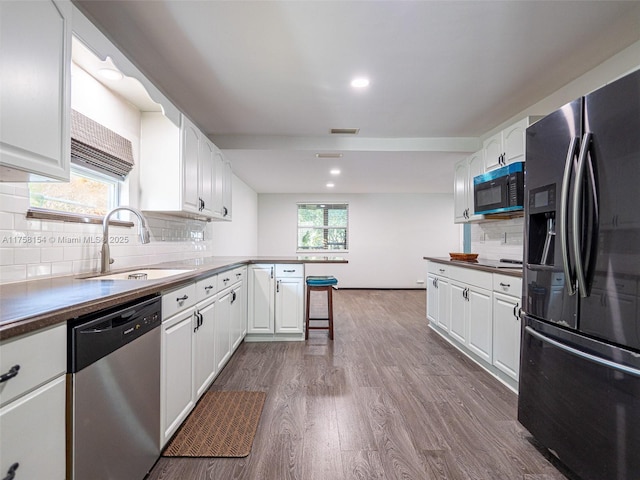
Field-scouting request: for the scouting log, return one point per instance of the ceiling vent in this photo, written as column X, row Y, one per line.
column 328, row 155
column 345, row 131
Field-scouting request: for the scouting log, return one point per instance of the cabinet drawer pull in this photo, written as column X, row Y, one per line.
column 13, row 371
column 182, row 298
column 208, row 287
column 11, row 473
column 238, row 275
column 441, row 270
column 289, row 271
column 505, row 284
column 225, row 280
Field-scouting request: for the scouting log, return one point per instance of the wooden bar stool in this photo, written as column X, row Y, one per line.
column 320, row 284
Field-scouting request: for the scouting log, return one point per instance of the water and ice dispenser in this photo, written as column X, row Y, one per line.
column 542, row 217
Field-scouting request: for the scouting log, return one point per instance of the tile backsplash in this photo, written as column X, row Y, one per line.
column 32, row 249
column 498, row 239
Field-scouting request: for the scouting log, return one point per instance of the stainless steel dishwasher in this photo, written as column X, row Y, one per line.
column 114, row 367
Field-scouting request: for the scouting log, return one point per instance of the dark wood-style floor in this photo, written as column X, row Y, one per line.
column 387, row 399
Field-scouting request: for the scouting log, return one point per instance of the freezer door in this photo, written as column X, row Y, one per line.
column 579, row 403
column 611, row 247
column 552, row 146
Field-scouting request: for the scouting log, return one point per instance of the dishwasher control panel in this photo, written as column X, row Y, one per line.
column 95, row 336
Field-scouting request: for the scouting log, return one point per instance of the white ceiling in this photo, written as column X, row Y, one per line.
column 267, row 80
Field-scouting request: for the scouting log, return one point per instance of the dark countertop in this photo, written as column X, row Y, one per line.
column 489, row 266
column 36, row 304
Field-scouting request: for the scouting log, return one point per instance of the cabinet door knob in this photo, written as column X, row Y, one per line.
column 11, row 473
column 13, row 371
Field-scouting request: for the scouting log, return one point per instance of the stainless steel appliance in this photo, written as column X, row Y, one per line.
column 500, row 190
column 579, row 391
column 114, row 362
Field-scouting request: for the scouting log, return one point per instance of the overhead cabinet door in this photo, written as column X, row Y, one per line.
column 35, row 61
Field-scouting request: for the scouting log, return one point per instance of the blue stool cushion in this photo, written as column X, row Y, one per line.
column 318, row 281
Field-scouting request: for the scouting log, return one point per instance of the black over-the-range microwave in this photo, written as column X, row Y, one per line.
column 500, row 190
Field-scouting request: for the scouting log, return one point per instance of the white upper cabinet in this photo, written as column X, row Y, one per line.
column 222, row 186
column 507, row 146
column 464, row 172
column 190, row 169
column 207, row 176
column 35, row 61
column 227, row 178
column 181, row 170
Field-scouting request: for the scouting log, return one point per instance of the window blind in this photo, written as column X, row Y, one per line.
column 96, row 147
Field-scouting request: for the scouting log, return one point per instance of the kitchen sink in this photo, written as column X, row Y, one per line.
column 142, row 274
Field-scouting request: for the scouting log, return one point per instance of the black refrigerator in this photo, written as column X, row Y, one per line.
column 579, row 391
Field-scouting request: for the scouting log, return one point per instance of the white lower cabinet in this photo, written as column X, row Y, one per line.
column 275, row 302
column 506, row 334
column 507, row 293
column 471, row 318
column 478, row 312
column 289, row 304
column 480, row 317
column 204, row 365
column 176, row 385
column 261, row 304
column 459, row 312
column 223, row 329
column 32, row 405
column 438, row 297
column 203, row 324
column 238, row 314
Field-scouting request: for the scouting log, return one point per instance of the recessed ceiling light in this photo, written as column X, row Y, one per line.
column 328, row 155
column 331, row 185
column 360, row 82
column 110, row 74
column 335, row 171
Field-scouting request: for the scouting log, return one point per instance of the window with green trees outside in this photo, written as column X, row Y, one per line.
column 323, row 226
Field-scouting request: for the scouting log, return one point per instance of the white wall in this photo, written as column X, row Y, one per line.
column 622, row 63
column 389, row 234
column 240, row 236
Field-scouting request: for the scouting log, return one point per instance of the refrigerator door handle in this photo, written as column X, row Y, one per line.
column 586, row 356
column 575, row 215
column 564, row 216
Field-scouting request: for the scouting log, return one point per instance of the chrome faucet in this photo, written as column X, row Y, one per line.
column 143, row 231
